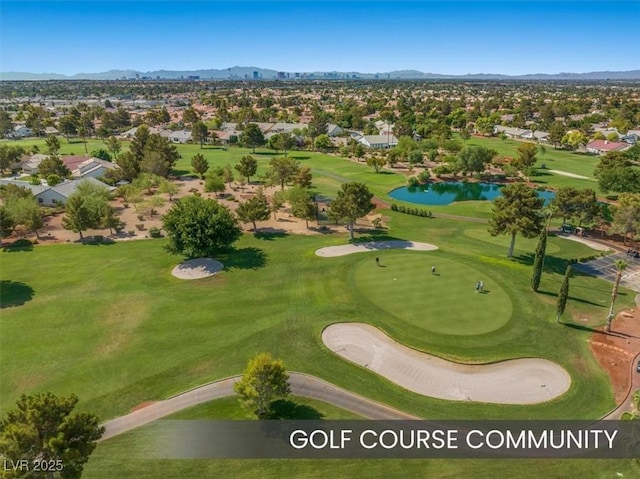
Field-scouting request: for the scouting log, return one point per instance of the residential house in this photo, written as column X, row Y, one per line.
column 379, row 142
column 30, row 164
column 607, row 131
column 598, row 147
column 178, row 136
column 93, row 168
column 512, row 132
column 632, row 137
column 51, row 130
column 334, row 130
column 21, row 131
column 52, row 195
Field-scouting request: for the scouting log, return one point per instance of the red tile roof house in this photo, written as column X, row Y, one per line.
column 604, row 146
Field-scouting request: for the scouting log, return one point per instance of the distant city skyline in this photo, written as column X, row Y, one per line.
column 453, row 38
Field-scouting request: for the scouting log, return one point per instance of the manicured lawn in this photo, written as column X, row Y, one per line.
column 444, row 303
column 110, row 323
column 562, row 160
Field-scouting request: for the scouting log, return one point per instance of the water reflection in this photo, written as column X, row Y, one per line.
column 448, row 192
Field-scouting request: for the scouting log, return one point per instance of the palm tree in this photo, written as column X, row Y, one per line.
column 620, row 266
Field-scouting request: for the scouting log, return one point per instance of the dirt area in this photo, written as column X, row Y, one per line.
column 616, row 350
column 142, row 405
column 136, row 228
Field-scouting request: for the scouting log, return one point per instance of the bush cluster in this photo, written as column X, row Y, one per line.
column 411, row 211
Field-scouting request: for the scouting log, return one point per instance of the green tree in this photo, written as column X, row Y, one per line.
column 264, row 380
column 247, row 167
column 199, row 227
column 318, row 125
column 353, row 202
column 85, row 207
column 563, row 295
column 574, row 139
column 322, row 142
column 45, row 427
column 254, row 209
column 557, row 131
column 139, row 141
column 484, row 126
column 169, row 188
column 10, row 156
column 200, row 133
column 626, row 217
column 618, row 171
column 129, row 166
column 538, row 261
column 101, row 154
column 68, row 125
column 25, row 211
column 190, row 116
column 620, row 267
column 302, row 204
column 464, row 135
column 227, row 174
column 6, row 125
column 53, row 166
column 526, row 156
column 303, row 177
column 53, row 145
column 199, row 164
column 113, row 145
column 376, row 162
column 109, row 219
column 473, row 159
column 283, row 170
column 252, row 137
column 518, row 210
column 6, row 223
column 284, row 141
column 277, row 202
column 214, row 184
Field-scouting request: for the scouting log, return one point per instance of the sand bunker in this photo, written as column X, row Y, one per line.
column 342, row 250
column 197, row 268
column 516, row 381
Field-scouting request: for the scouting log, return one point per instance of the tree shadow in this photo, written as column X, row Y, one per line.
column 375, row 235
column 269, row 234
column 14, row 293
column 552, row 264
column 18, row 245
column 180, row 173
column 285, row 409
column 243, row 258
column 572, row 298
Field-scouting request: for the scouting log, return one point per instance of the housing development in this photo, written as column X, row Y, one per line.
column 282, row 270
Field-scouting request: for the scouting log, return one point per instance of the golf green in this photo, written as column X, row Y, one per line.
column 445, row 302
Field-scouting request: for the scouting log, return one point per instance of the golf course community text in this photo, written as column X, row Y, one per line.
column 452, row 439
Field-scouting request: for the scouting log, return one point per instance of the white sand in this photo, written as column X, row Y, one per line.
column 197, row 268
column 570, row 175
column 342, row 250
column 516, row 381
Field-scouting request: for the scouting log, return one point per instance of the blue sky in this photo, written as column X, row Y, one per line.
column 453, row 37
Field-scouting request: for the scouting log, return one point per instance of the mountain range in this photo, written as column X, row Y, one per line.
column 238, row 72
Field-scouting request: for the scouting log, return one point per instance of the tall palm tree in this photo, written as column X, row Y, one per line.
column 620, row 266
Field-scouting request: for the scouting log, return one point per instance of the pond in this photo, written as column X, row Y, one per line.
column 447, row 192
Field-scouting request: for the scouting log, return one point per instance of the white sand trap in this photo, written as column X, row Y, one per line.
column 570, row 175
column 517, row 381
column 343, row 250
column 197, row 268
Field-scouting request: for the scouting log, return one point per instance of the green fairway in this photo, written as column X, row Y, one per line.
column 444, row 303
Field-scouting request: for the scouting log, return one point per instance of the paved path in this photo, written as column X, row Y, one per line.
column 515, row 381
column 343, row 250
column 627, row 404
column 301, row 385
column 598, row 246
column 605, row 268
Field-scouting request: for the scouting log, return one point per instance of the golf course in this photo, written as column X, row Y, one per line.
column 110, row 323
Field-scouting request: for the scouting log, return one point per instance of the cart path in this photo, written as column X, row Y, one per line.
column 301, row 385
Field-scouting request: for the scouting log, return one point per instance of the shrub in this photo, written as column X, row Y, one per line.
column 413, row 181
column 154, row 232
column 424, row 176
column 140, row 226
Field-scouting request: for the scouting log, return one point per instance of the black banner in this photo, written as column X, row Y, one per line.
column 396, row 439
